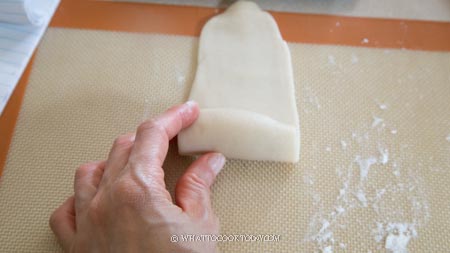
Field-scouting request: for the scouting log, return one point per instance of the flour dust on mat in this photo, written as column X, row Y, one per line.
column 373, row 153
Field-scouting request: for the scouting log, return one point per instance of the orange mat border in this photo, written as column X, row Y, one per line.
column 186, row 20
column 295, row 27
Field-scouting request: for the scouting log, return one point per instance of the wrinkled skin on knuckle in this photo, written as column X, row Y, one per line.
column 203, row 214
column 145, row 176
column 126, row 192
column 144, row 170
column 153, row 126
column 197, row 186
column 150, row 157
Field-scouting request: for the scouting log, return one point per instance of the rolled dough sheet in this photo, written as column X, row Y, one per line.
column 245, row 89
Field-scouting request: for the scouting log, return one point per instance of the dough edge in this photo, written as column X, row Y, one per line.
column 240, row 134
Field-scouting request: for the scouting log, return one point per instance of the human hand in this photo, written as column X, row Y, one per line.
column 122, row 204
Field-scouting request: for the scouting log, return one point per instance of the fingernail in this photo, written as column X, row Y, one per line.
column 187, row 107
column 216, row 162
column 191, row 103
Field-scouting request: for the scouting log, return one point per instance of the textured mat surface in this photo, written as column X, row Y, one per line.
column 374, row 158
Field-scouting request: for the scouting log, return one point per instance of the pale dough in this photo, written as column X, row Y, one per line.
column 245, row 89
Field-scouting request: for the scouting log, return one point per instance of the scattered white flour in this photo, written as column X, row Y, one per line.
column 311, row 99
column 331, row 60
column 361, row 197
column 379, row 232
column 398, row 237
column 376, row 121
column 394, row 193
column 360, row 138
column 396, row 173
column 343, row 145
column 328, row 249
column 384, row 153
column 448, row 137
column 308, row 180
column 364, row 165
column 324, row 229
column 354, row 59
column 181, row 80
column 365, row 41
column 379, row 194
column 324, row 236
column 396, row 170
column 340, row 209
column 382, row 106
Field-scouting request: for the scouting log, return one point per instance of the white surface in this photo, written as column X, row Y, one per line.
column 437, row 10
column 398, row 237
column 23, row 24
column 245, row 88
column 26, row 12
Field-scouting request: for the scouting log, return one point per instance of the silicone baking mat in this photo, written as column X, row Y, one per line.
column 375, row 124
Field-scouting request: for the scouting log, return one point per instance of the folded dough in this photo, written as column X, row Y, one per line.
column 245, row 89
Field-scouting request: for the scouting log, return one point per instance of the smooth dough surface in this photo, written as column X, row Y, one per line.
column 245, row 89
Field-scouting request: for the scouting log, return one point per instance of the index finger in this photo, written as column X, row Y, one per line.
column 153, row 136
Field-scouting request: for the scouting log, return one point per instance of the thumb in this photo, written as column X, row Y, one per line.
column 62, row 222
column 192, row 192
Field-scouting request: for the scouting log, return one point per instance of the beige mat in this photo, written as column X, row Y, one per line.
column 374, row 156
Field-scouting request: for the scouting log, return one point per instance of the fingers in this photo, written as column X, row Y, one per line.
column 152, row 136
column 62, row 223
column 152, row 139
column 87, row 179
column 118, row 156
column 192, row 192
